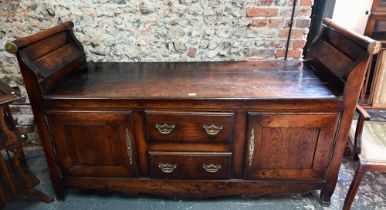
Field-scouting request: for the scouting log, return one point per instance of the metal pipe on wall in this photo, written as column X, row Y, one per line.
column 291, row 23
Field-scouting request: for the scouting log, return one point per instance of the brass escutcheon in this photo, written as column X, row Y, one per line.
column 251, row 147
column 129, row 147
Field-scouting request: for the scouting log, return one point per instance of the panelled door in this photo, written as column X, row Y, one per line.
column 93, row 143
column 289, row 146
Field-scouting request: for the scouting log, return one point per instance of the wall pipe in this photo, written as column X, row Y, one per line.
column 291, row 23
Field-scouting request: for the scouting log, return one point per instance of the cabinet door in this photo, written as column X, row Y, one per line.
column 289, row 146
column 93, row 143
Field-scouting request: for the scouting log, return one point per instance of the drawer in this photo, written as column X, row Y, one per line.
column 193, row 165
column 189, row 126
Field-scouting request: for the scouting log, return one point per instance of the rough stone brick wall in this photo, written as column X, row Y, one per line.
column 157, row 30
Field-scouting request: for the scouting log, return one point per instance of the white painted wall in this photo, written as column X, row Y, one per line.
column 352, row 14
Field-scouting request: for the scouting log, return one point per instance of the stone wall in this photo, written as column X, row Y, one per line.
column 157, row 30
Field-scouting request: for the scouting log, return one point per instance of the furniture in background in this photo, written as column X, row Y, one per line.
column 200, row 129
column 16, row 178
column 374, row 91
column 368, row 141
column 352, row 15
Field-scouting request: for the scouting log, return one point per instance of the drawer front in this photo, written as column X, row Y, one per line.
column 189, row 126
column 196, row 165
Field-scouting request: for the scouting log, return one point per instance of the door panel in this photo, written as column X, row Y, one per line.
column 295, row 150
column 93, row 143
column 289, row 146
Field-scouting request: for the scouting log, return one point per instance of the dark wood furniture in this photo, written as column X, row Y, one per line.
column 16, row 178
column 194, row 129
column 367, row 138
column 374, row 91
column 379, row 6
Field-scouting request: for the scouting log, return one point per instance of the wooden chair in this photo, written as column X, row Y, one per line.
column 16, row 179
column 368, row 141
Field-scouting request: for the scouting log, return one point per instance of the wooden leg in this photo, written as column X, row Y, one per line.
column 13, row 144
column 353, row 188
column 325, row 198
column 55, row 177
column 3, row 199
column 5, row 171
column 27, row 180
column 38, row 195
column 60, row 192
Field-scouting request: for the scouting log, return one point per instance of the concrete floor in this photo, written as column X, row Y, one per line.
column 371, row 195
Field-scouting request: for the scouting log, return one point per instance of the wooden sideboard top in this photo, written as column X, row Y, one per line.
column 193, row 80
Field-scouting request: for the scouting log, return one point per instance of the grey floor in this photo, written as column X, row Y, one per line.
column 371, row 195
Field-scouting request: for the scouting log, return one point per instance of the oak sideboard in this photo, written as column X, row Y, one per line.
column 199, row 129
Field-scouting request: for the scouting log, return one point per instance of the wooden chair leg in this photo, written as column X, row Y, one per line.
column 38, row 195
column 353, row 188
column 3, row 199
column 5, row 171
column 26, row 179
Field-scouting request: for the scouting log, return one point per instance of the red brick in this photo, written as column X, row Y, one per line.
column 259, row 23
column 295, row 53
column 280, row 53
column 265, row 2
column 306, row 12
column 306, row 2
column 276, row 44
column 192, row 52
column 262, row 12
column 295, row 34
column 298, row 44
column 276, row 23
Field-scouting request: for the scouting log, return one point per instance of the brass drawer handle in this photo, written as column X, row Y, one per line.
column 165, row 128
column 213, row 129
column 167, row 167
column 211, row 168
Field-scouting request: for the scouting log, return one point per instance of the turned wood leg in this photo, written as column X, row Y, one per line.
column 353, row 188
